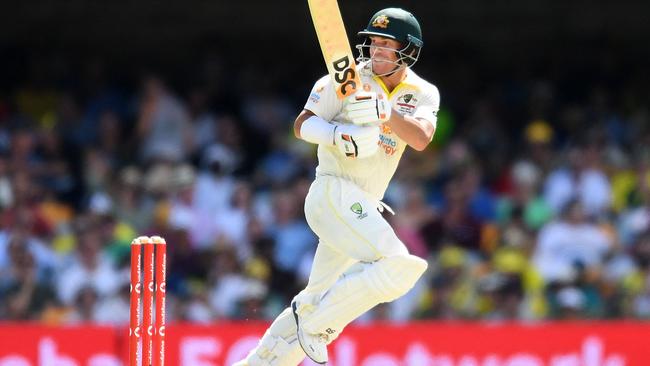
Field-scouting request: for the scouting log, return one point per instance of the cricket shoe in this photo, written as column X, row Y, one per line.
column 314, row 345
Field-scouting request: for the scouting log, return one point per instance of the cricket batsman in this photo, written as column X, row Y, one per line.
column 359, row 260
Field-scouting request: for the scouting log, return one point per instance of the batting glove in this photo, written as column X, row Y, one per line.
column 367, row 108
column 356, row 141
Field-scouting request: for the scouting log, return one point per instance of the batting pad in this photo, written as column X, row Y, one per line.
column 279, row 346
column 382, row 281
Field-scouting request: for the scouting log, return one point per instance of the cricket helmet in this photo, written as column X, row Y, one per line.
column 397, row 24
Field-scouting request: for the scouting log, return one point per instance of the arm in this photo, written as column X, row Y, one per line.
column 351, row 140
column 316, row 124
column 302, row 117
column 415, row 131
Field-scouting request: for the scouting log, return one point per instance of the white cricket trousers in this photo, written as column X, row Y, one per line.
column 350, row 229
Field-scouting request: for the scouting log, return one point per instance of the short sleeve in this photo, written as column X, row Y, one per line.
column 322, row 100
column 429, row 104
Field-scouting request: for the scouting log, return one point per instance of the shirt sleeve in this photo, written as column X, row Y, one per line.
column 428, row 107
column 322, row 100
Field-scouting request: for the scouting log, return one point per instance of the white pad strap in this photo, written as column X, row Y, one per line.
column 317, row 131
column 273, row 345
column 279, row 346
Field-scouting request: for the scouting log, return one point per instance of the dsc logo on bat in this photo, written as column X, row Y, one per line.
column 344, row 75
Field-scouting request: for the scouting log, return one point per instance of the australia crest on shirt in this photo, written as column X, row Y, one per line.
column 406, row 103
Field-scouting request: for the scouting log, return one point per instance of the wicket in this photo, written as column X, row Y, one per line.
column 155, row 269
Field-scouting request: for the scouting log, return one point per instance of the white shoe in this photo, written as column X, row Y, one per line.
column 314, row 345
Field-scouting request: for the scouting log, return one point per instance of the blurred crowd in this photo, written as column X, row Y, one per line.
column 528, row 205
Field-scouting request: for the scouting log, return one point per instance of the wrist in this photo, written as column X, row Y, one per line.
column 317, row 131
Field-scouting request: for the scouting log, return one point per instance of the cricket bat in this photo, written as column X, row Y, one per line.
column 334, row 43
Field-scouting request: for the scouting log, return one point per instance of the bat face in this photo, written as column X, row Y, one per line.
column 334, row 43
column 345, row 74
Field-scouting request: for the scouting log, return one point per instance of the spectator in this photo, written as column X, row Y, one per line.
column 582, row 178
column 214, row 183
column 525, row 197
column 163, row 124
column 292, row 236
column 113, row 310
column 293, row 239
column 85, row 307
column 455, row 223
column 229, row 285
column 203, row 121
column 568, row 243
column 90, row 269
column 25, row 294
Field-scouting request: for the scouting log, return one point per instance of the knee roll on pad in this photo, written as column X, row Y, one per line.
column 306, row 302
column 392, row 277
column 284, row 325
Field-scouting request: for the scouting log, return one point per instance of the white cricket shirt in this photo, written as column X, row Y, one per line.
column 414, row 97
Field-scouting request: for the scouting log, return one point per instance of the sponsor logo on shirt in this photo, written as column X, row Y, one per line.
column 388, row 144
column 314, row 97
